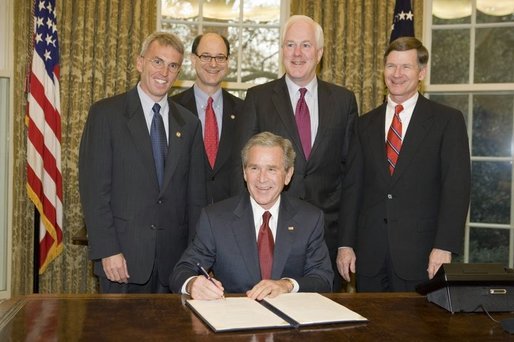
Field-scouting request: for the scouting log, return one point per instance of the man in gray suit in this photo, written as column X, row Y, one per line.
column 210, row 55
column 406, row 194
column 263, row 243
column 321, row 140
column 141, row 176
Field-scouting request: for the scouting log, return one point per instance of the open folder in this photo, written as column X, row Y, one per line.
column 290, row 310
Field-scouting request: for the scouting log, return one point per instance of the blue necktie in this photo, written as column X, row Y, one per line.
column 159, row 142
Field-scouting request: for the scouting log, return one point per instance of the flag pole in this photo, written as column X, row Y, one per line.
column 35, row 269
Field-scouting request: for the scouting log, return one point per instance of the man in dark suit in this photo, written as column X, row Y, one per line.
column 141, row 176
column 210, row 58
column 263, row 243
column 321, row 142
column 406, row 194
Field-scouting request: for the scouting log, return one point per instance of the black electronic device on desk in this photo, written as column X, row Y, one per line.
column 471, row 288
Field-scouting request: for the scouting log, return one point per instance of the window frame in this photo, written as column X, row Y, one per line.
column 472, row 89
column 234, row 86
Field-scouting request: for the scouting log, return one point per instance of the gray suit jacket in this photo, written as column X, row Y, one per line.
column 317, row 180
column 422, row 206
column 124, row 209
column 226, row 244
column 219, row 178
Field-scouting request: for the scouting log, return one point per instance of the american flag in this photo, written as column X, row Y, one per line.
column 44, row 180
column 403, row 21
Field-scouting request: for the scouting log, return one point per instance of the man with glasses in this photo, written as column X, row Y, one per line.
column 217, row 109
column 141, row 176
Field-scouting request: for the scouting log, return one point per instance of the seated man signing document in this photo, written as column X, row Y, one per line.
column 262, row 243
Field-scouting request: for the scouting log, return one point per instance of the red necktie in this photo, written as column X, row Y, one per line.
column 303, row 122
column 210, row 139
column 394, row 139
column 265, row 246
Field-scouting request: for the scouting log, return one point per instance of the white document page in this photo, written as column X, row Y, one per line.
column 236, row 313
column 313, row 308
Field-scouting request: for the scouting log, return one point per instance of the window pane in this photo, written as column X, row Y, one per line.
column 494, row 53
column 456, row 101
column 489, row 245
column 492, row 125
column 496, row 11
column 451, row 12
column 177, row 9
column 221, row 10
column 490, row 192
column 450, row 68
column 260, row 54
column 259, row 11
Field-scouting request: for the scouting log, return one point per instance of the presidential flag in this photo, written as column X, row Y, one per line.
column 43, row 119
column 403, row 21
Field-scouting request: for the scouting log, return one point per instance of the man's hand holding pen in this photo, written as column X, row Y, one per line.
column 204, row 286
column 201, row 287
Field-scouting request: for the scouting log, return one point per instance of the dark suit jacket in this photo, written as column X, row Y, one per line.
column 226, row 244
column 317, row 180
column 124, row 210
column 422, row 206
column 219, row 178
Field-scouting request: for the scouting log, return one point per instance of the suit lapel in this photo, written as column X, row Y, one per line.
column 286, row 230
column 244, row 233
column 189, row 100
column 176, row 142
column 136, row 124
column 284, row 110
column 326, row 114
column 419, row 126
column 377, row 138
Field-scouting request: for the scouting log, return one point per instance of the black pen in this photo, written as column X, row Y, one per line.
column 204, row 272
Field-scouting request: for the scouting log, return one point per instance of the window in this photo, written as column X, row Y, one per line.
column 251, row 26
column 5, row 116
column 472, row 49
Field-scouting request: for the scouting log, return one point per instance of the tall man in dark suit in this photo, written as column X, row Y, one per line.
column 263, row 243
column 315, row 115
column 141, row 176
column 217, row 109
column 406, row 194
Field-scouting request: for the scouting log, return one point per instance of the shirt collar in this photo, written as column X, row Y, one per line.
column 293, row 87
column 147, row 102
column 202, row 96
column 406, row 104
column 258, row 210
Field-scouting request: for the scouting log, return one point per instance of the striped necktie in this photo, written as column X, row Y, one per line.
column 394, row 139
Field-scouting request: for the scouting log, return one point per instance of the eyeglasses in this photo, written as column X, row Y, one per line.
column 159, row 64
column 220, row 59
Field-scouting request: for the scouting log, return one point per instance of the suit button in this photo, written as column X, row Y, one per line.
column 213, row 178
column 160, row 201
column 389, row 196
column 153, row 227
column 385, row 221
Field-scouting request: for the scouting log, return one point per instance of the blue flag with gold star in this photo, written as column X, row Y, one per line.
column 403, row 21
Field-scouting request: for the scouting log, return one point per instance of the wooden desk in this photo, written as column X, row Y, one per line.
column 392, row 317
